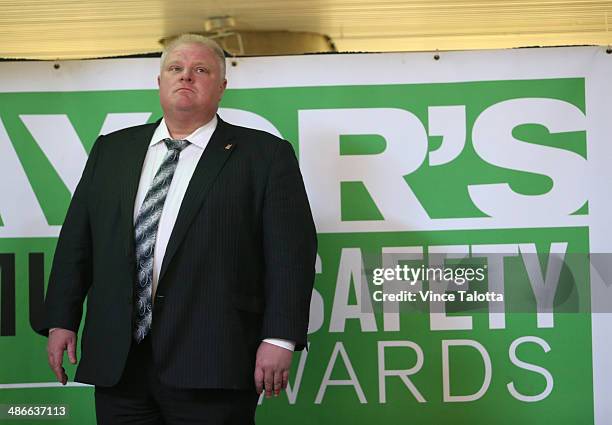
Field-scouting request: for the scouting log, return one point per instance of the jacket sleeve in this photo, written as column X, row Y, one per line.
column 290, row 246
column 71, row 272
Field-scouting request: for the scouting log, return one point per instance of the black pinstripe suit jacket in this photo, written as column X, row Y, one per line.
column 239, row 266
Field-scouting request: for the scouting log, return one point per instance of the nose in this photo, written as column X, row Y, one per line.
column 186, row 75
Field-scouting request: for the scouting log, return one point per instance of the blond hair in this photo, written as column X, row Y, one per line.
column 195, row 39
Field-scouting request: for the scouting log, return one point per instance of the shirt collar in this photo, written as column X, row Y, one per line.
column 199, row 137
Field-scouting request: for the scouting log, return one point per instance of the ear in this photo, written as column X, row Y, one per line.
column 158, row 81
column 223, row 87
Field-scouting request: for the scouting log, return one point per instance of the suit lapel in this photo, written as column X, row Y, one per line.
column 132, row 159
column 210, row 164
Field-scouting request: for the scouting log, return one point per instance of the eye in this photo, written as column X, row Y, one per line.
column 174, row 68
column 201, row 70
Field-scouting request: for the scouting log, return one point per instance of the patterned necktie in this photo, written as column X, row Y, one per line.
column 146, row 233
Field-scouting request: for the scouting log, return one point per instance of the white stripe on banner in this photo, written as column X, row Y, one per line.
column 41, row 385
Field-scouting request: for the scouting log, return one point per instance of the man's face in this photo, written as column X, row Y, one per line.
column 190, row 81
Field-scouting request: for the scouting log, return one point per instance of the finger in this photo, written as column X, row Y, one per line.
column 51, row 358
column 72, row 351
column 60, row 374
column 55, row 359
column 55, row 356
column 269, row 381
column 259, row 376
column 285, row 379
column 278, row 381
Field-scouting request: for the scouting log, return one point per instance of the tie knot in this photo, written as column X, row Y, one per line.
column 176, row 144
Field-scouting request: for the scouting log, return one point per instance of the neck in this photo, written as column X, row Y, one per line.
column 182, row 125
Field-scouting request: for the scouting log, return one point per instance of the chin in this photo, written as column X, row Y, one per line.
column 184, row 106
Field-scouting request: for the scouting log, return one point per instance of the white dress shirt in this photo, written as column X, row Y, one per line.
column 188, row 160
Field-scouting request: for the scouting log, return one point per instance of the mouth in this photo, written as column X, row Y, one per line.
column 180, row 89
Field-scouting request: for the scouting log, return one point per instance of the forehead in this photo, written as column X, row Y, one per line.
column 191, row 53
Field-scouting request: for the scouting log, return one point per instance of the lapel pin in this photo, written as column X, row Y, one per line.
column 228, row 146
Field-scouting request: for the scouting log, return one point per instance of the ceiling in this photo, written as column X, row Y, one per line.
column 62, row 29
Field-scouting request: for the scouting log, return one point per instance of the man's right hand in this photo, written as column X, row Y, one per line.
column 61, row 340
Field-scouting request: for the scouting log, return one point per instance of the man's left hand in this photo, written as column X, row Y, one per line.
column 272, row 365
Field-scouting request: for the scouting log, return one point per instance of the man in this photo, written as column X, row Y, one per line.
column 194, row 243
